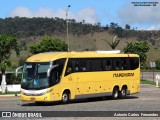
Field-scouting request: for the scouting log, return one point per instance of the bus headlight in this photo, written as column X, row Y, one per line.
column 36, row 94
column 48, row 91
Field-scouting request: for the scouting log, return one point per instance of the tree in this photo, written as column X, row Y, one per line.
column 114, row 43
column 106, row 27
column 23, row 45
column 116, row 29
column 119, row 32
column 127, row 27
column 113, row 25
column 48, row 44
column 7, row 44
column 158, row 64
column 140, row 48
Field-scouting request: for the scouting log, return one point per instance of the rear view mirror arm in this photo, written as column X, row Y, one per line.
column 49, row 70
column 18, row 69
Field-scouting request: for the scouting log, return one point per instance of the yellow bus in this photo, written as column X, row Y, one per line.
column 63, row 76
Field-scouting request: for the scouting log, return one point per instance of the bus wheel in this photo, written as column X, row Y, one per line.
column 115, row 93
column 123, row 93
column 65, row 97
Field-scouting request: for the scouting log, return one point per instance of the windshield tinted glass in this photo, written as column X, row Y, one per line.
column 35, row 76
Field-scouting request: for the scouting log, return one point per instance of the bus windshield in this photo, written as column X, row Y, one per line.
column 35, row 75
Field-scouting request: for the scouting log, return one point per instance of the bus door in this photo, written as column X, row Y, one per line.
column 76, row 73
column 71, row 76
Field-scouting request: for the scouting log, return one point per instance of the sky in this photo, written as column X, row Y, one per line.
column 92, row 11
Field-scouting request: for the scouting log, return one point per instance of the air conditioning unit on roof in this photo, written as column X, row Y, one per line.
column 109, row 52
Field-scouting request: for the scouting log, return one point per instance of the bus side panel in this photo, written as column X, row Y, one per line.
column 135, row 86
column 100, row 82
column 84, row 84
column 91, row 82
column 130, row 78
column 56, row 92
column 69, row 82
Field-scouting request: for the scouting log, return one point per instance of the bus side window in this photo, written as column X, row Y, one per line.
column 85, row 65
column 96, row 64
column 125, row 64
column 88, row 65
column 54, row 77
column 75, row 64
column 109, row 64
column 117, row 64
column 59, row 69
column 72, row 66
column 69, row 69
column 134, row 63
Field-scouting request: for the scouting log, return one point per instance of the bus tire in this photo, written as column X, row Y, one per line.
column 115, row 94
column 123, row 93
column 65, row 97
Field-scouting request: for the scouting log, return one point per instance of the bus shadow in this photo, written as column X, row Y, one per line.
column 45, row 104
column 86, row 100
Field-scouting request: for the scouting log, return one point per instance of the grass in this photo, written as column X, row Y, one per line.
column 148, row 82
column 10, row 92
column 153, row 54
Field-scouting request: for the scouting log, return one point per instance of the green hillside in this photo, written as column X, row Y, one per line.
column 88, row 42
column 82, row 36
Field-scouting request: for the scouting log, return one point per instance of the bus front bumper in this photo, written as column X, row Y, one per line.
column 42, row 98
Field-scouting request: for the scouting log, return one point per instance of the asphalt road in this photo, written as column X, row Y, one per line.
column 147, row 100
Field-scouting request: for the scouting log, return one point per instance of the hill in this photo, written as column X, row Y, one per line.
column 82, row 36
column 88, row 43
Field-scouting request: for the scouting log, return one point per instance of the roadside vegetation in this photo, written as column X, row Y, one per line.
column 48, row 44
column 148, row 82
column 82, row 36
column 139, row 47
column 10, row 92
column 113, row 44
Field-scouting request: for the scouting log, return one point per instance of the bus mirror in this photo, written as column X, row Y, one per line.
column 18, row 69
column 49, row 70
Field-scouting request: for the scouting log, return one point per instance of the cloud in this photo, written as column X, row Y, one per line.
column 141, row 15
column 88, row 14
column 154, row 27
column 21, row 11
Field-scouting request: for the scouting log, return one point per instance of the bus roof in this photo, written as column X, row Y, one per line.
column 50, row 56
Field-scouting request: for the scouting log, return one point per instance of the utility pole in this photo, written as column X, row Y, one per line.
column 67, row 25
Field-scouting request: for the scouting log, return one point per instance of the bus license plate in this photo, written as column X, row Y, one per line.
column 33, row 99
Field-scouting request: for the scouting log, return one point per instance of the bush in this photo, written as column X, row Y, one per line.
column 158, row 64
column 12, row 79
column 48, row 44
